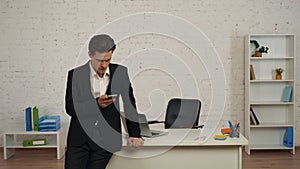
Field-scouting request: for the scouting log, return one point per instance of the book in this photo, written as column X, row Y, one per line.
column 252, row 119
column 28, row 119
column 252, row 74
column 287, row 94
column 35, row 142
column 256, row 121
column 35, row 119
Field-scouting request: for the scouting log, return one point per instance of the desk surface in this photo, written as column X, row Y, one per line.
column 180, row 139
column 189, row 137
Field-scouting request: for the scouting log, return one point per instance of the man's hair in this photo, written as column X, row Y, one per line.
column 102, row 44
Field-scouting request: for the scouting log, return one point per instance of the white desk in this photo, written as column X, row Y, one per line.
column 181, row 149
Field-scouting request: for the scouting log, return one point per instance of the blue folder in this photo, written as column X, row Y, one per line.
column 288, row 139
column 28, row 119
column 49, row 123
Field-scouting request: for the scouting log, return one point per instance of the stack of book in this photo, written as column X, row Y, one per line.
column 49, row 123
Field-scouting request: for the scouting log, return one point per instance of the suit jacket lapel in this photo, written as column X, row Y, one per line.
column 84, row 79
column 111, row 71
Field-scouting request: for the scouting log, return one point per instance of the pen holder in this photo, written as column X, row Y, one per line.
column 235, row 132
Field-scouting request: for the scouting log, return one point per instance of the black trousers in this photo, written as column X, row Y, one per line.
column 86, row 156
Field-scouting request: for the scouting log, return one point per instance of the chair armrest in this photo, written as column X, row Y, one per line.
column 198, row 126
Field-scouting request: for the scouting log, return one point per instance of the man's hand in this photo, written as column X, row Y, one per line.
column 104, row 102
column 135, row 141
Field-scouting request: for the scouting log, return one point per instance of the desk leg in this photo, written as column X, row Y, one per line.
column 240, row 157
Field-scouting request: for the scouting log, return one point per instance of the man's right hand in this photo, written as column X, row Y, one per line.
column 104, row 102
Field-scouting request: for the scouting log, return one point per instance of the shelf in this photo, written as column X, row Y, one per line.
column 20, row 145
column 271, row 35
column 271, row 103
column 270, row 58
column 271, row 125
column 32, row 132
column 270, row 81
column 264, row 94
column 269, row 147
column 12, row 141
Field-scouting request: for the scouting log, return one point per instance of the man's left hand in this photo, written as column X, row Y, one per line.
column 135, row 141
column 104, row 102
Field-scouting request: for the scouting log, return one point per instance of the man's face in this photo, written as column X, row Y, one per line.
column 100, row 61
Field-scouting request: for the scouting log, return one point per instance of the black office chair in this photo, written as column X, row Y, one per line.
column 183, row 113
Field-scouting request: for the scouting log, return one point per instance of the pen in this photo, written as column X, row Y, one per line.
column 237, row 126
column 230, row 124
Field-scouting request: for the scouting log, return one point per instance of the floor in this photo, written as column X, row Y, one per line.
column 263, row 159
column 46, row 159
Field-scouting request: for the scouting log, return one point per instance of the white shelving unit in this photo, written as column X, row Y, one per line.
column 11, row 142
column 264, row 93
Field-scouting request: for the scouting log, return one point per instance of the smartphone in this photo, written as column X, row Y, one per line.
column 112, row 96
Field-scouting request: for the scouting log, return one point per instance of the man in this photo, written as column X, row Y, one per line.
column 95, row 128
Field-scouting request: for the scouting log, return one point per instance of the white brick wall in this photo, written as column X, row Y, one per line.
column 40, row 41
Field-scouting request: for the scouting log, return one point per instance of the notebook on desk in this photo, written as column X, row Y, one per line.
column 144, row 126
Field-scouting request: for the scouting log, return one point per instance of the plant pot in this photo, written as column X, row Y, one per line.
column 257, row 54
column 278, row 76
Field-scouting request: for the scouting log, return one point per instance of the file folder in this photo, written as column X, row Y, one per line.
column 287, row 94
column 49, row 123
column 288, row 138
column 35, row 119
column 28, row 119
column 35, row 142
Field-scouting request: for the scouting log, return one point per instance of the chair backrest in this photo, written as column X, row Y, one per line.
column 182, row 113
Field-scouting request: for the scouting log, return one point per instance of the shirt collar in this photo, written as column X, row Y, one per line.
column 95, row 74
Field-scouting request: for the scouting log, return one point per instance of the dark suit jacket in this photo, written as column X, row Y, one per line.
column 89, row 120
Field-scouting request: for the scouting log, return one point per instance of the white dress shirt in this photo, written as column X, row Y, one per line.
column 98, row 84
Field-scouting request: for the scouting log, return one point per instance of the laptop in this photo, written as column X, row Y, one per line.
column 144, row 126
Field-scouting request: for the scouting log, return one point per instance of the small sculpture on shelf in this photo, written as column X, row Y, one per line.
column 256, row 49
column 279, row 71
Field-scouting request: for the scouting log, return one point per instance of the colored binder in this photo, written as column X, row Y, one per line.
column 28, row 119
column 35, row 119
column 288, row 138
column 287, row 94
column 36, row 142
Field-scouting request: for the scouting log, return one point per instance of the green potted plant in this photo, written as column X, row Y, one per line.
column 258, row 50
